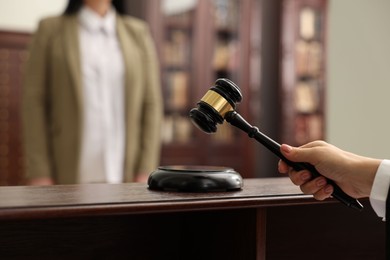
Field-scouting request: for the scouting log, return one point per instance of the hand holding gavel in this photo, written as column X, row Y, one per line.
column 219, row 104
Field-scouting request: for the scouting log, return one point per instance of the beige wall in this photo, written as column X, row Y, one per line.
column 23, row 15
column 358, row 100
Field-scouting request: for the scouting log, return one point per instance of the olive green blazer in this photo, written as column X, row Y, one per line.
column 53, row 101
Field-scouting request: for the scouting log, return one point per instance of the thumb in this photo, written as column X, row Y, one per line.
column 298, row 154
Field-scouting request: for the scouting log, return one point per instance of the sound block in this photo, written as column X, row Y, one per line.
column 184, row 178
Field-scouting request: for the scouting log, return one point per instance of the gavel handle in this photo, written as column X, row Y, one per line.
column 238, row 121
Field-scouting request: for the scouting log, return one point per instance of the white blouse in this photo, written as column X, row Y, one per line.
column 103, row 128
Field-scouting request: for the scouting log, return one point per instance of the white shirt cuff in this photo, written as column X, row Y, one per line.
column 380, row 188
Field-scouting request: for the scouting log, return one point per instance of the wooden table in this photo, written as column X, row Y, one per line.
column 268, row 219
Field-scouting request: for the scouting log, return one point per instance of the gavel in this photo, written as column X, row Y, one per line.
column 219, row 104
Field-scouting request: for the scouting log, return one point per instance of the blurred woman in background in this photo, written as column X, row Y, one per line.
column 92, row 104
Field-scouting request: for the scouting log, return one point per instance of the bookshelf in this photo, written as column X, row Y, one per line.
column 209, row 39
column 199, row 42
column 177, row 47
column 303, row 70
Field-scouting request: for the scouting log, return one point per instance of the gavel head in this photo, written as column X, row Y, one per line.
column 212, row 108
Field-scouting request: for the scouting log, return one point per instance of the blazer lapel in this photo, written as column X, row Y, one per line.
column 72, row 54
column 127, row 47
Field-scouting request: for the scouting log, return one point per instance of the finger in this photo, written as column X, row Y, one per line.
column 324, row 193
column 299, row 154
column 314, row 186
column 283, row 167
column 314, row 144
column 299, row 178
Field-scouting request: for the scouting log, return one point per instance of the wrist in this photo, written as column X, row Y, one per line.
column 367, row 173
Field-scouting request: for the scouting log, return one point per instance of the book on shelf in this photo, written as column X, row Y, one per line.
column 307, row 23
column 226, row 55
column 308, row 58
column 306, row 96
column 224, row 133
column 176, row 48
column 177, row 82
column 226, row 14
column 308, row 128
column 176, row 129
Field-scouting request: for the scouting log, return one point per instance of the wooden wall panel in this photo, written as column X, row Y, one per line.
column 13, row 54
